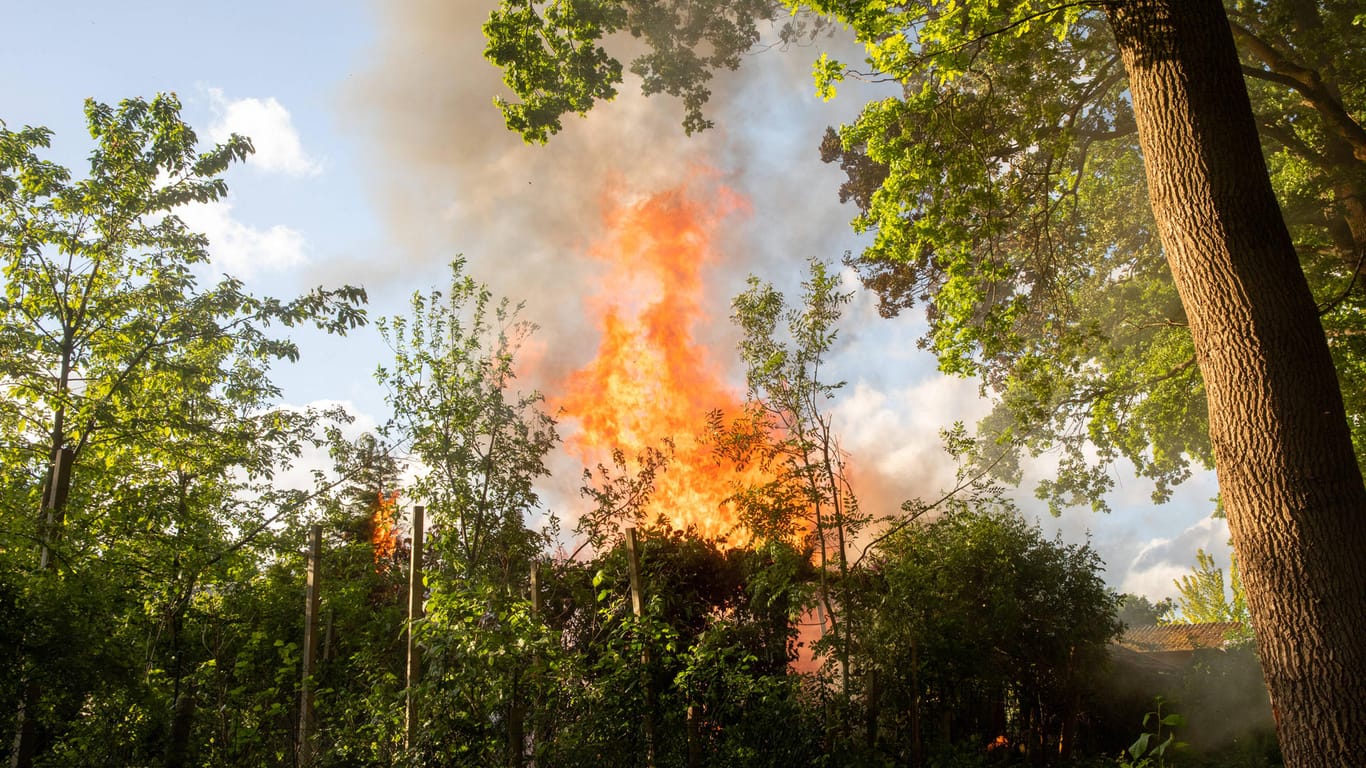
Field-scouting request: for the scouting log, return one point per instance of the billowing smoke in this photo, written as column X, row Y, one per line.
column 451, row 179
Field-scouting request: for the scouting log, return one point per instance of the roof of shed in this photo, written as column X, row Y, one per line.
column 1168, row 638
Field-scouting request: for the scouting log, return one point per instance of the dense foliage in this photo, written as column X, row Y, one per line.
column 140, row 438
column 1074, row 195
column 982, row 629
column 1004, row 192
column 152, row 565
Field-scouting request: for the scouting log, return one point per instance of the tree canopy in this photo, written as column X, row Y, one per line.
column 141, row 432
column 151, row 553
column 1002, row 190
column 976, row 608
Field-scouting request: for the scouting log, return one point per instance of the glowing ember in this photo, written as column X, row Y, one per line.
column 651, row 380
column 382, row 533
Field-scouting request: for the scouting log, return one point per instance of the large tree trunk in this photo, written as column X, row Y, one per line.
column 1287, row 473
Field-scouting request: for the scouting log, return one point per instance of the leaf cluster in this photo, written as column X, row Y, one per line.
column 553, row 62
column 129, row 569
column 1003, row 190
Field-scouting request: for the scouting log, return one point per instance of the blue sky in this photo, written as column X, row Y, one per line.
column 380, row 157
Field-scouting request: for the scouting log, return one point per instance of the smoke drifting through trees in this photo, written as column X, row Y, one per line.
column 451, row 179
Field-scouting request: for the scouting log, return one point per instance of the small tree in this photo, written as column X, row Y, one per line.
column 481, row 444
column 1202, row 598
column 787, row 429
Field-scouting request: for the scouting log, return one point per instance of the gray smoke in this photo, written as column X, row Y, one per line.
column 451, row 179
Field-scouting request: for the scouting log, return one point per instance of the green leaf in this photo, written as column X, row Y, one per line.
column 1140, row 746
column 826, row 73
column 1161, row 749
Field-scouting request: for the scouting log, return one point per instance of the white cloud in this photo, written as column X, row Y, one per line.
column 892, row 436
column 241, row 250
column 1160, row 561
column 311, row 459
column 271, row 130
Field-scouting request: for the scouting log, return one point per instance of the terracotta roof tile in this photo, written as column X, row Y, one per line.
column 1177, row 637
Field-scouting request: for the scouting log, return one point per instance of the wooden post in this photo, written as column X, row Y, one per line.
column 25, row 745
column 633, row 566
column 49, row 528
column 307, row 723
column 694, row 738
column 26, row 730
column 415, row 590
column 54, row 504
column 535, row 589
column 516, row 715
column 872, row 695
column 916, row 760
column 537, row 700
column 638, row 608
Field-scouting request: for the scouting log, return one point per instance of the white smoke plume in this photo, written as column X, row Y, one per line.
column 452, row 179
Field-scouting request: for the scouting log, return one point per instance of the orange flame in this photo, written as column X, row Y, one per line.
column 382, row 533
column 652, row 381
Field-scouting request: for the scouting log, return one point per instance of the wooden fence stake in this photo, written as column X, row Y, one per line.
column 517, row 707
column 307, row 719
column 54, row 504
column 638, row 607
column 414, row 613
column 53, row 512
column 538, row 737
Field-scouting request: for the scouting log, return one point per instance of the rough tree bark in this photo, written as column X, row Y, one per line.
column 1287, row 472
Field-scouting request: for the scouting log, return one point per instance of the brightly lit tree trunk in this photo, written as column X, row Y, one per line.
column 1289, row 479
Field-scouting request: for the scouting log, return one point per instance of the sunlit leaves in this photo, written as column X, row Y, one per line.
column 551, row 60
column 1202, row 597
column 159, row 389
column 554, row 64
column 452, row 386
column 1035, row 260
column 827, row 72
